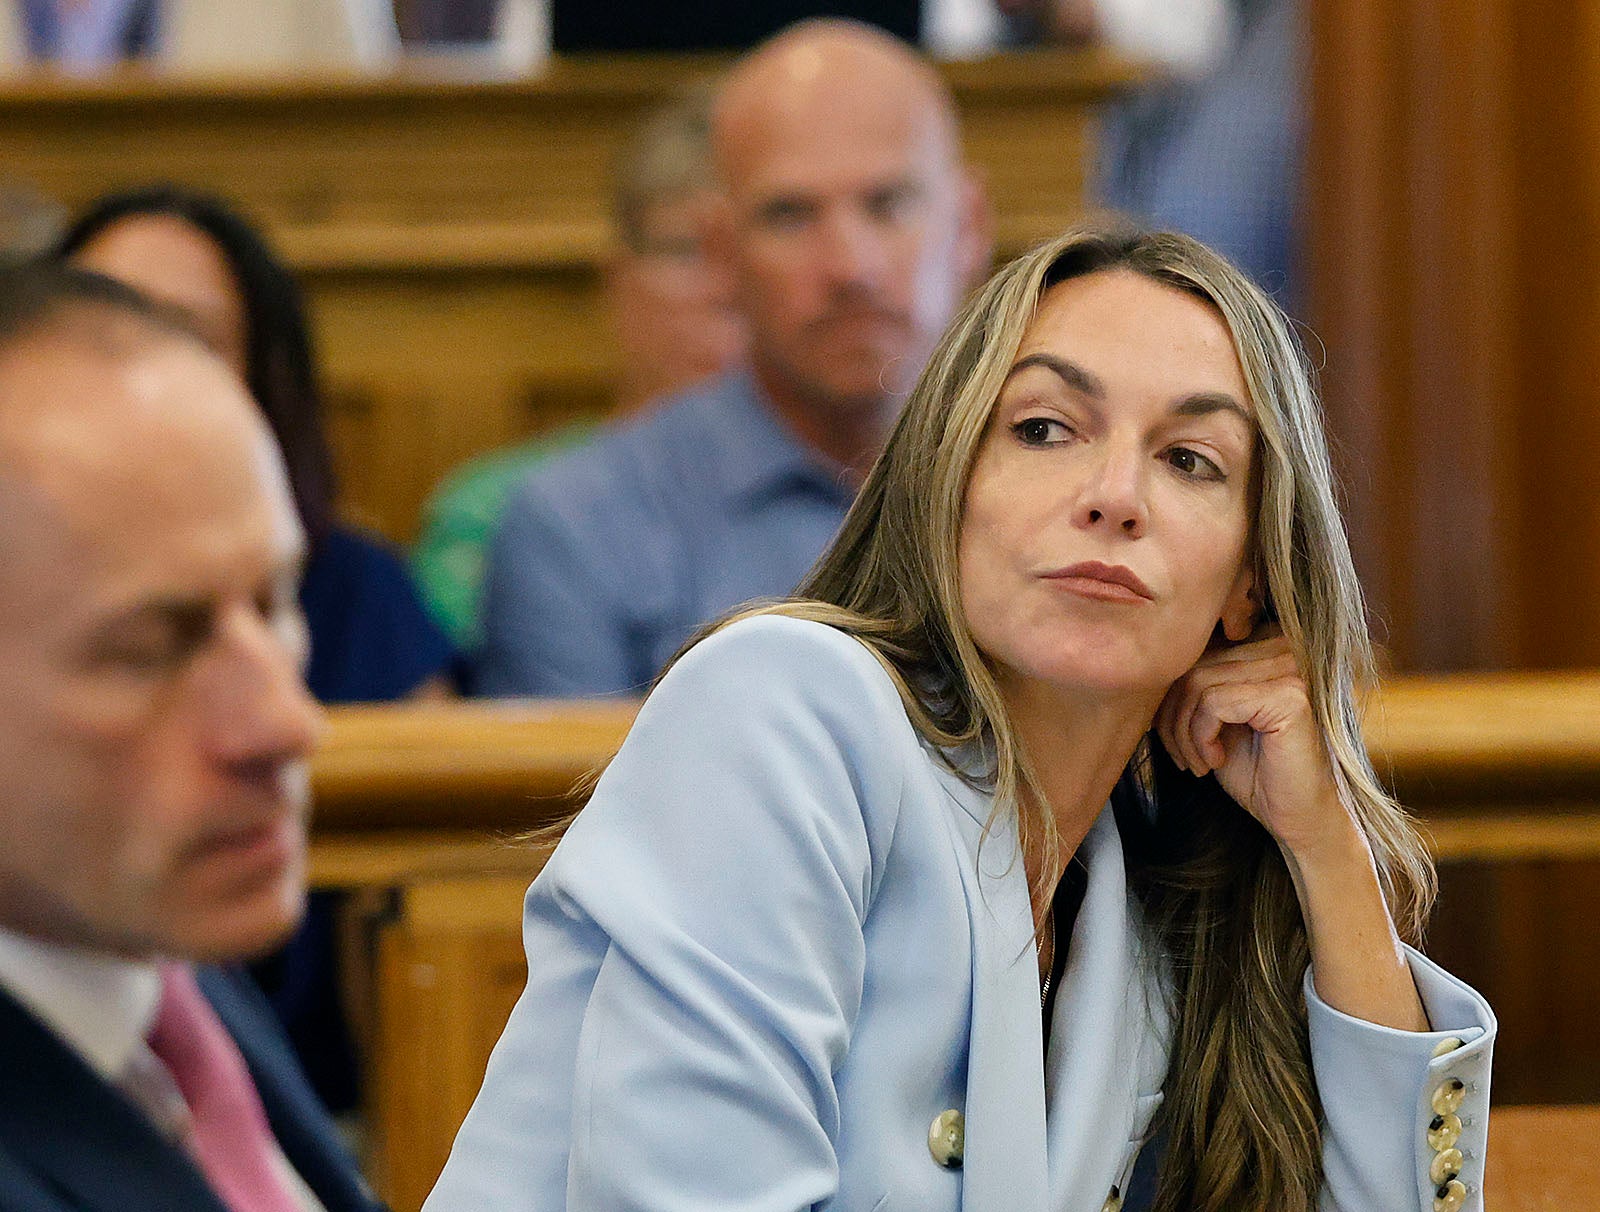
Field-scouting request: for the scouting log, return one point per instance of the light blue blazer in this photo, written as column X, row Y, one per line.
column 777, row 945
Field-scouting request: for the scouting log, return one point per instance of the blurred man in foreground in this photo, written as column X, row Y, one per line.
column 849, row 229
column 154, row 731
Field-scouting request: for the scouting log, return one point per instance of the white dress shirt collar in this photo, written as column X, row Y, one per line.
column 100, row 1005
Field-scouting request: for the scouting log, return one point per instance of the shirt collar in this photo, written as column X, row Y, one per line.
column 100, row 1005
column 759, row 456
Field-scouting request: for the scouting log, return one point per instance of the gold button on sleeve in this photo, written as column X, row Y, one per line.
column 1444, row 1132
column 1447, row 1045
column 1446, row 1165
column 1113, row 1201
column 1450, row 1197
column 947, row 1138
column 1448, row 1095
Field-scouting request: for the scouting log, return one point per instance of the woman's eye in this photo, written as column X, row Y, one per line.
column 1194, row 464
column 1040, row 431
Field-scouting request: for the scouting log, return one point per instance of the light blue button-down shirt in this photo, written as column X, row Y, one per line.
column 608, row 559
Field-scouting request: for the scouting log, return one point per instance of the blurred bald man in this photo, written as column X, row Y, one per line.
column 849, row 229
column 154, row 731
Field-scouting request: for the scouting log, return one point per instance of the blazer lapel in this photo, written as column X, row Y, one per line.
column 1004, row 1164
column 60, row 1120
column 1108, row 1034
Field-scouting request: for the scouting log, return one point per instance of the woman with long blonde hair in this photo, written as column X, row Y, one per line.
column 1036, row 828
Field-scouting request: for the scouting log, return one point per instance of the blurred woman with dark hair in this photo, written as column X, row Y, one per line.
column 371, row 638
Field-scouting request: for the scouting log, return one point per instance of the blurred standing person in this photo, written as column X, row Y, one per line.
column 850, row 230
column 92, row 35
column 1214, row 146
column 672, row 322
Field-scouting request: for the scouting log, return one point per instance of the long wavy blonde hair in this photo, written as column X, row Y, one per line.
column 1241, row 1112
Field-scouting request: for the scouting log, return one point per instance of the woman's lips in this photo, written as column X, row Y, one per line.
column 1102, row 582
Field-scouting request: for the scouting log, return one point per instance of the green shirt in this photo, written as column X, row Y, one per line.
column 459, row 520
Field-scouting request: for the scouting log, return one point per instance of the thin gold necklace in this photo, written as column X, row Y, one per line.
column 1049, row 933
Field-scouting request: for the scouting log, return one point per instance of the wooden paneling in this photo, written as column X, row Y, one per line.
column 1556, row 93
column 450, row 967
column 1454, row 267
column 1409, row 198
column 1539, row 1157
column 451, row 234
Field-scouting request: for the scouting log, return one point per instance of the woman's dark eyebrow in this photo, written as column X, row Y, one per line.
column 1204, row 403
column 1070, row 373
column 1200, row 404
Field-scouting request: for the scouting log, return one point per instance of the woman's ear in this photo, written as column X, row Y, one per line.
column 1242, row 610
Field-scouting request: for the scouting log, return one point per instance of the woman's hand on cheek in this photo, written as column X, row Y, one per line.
column 1243, row 714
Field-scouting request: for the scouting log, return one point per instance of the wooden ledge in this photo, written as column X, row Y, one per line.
column 508, row 764
column 611, row 78
column 1486, row 736
column 1540, row 1158
column 1524, row 746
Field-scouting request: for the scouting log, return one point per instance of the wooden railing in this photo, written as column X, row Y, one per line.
column 420, row 810
column 1497, row 765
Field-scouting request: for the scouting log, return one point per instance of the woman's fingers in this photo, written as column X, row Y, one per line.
column 1259, row 706
column 1244, row 714
column 1174, row 720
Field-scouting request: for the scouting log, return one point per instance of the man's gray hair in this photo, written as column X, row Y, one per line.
column 667, row 158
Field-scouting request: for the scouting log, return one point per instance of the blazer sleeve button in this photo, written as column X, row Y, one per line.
column 1443, row 1132
column 1446, row 1165
column 1450, row 1197
column 1447, row 1096
column 947, row 1138
column 1113, row 1201
column 1447, row 1045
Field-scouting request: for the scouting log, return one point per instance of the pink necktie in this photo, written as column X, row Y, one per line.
column 230, row 1137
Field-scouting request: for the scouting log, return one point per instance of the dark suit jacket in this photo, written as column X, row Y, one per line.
column 71, row 1143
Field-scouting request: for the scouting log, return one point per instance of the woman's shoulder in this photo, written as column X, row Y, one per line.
column 777, row 636
column 766, row 722
column 805, row 658
column 775, row 670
